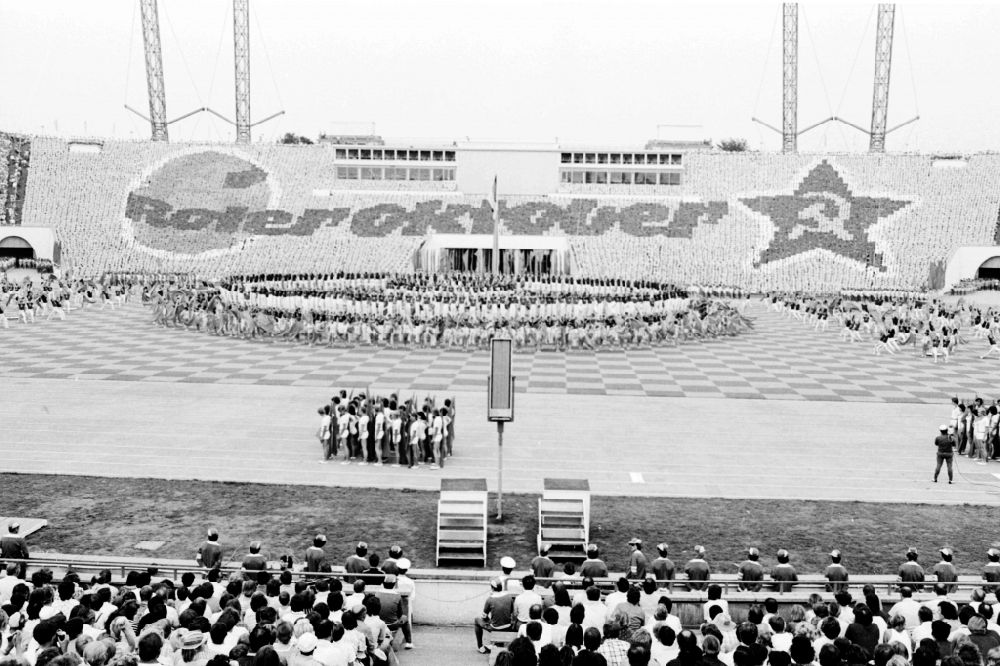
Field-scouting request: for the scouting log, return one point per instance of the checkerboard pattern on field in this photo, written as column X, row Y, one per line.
column 780, row 359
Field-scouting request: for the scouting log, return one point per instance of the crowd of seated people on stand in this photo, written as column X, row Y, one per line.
column 567, row 619
column 249, row 617
column 362, row 614
column 448, row 310
column 373, row 429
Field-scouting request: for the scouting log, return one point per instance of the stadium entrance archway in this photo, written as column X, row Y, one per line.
column 990, row 269
column 16, row 247
column 473, row 253
column 29, row 243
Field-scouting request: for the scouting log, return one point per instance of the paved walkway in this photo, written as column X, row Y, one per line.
column 187, row 405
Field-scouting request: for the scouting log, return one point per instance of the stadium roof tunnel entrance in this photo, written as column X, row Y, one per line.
column 519, row 255
column 989, row 269
column 16, row 248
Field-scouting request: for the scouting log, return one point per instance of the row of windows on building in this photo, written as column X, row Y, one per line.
column 393, row 173
column 395, row 154
column 673, row 159
column 619, row 177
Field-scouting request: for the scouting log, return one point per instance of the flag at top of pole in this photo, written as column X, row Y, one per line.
column 495, row 205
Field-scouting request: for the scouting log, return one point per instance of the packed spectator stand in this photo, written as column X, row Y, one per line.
column 362, row 612
column 765, row 222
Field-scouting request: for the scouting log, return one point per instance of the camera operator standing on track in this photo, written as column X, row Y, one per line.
column 945, row 452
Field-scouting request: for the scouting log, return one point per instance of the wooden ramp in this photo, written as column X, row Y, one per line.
column 461, row 531
column 564, row 518
column 28, row 525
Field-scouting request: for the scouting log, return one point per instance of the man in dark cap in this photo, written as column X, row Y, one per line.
column 593, row 566
column 783, row 573
column 836, row 573
column 910, row 571
column 945, row 452
column 663, row 566
column 751, row 572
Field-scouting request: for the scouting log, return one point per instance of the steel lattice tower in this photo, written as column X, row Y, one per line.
column 883, row 65
column 154, row 70
column 790, row 78
column 241, row 54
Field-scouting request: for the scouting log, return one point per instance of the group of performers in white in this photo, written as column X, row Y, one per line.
column 894, row 321
column 27, row 301
column 457, row 311
column 377, row 430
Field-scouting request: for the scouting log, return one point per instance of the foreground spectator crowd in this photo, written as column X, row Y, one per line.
column 248, row 618
column 634, row 623
column 457, row 311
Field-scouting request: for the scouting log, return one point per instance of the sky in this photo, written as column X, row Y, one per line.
column 573, row 72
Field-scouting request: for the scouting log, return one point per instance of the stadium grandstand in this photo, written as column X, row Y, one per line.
column 763, row 222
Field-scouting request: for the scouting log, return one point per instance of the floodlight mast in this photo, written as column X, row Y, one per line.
column 883, row 67
column 154, row 70
column 241, row 56
column 790, row 78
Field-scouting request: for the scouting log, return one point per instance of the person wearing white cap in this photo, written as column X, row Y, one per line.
column 305, row 647
column 910, row 571
column 210, row 553
column 663, row 567
column 991, row 572
column 358, row 562
column 751, row 572
column 836, row 573
column 13, row 546
column 507, row 578
column 783, row 573
column 593, row 566
column 408, row 590
column 945, row 570
column 697, row 570
column 315, row 555
column 253, row 561
column 542, row 566
column 945, row 452
column 637, row 562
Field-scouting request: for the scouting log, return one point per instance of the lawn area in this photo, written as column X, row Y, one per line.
column 93, row 515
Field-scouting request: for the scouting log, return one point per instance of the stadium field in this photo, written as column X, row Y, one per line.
column 780, row 413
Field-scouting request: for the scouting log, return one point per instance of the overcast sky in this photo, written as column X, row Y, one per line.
column 582, row 71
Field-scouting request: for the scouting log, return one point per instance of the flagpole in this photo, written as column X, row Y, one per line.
column 496, row 229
